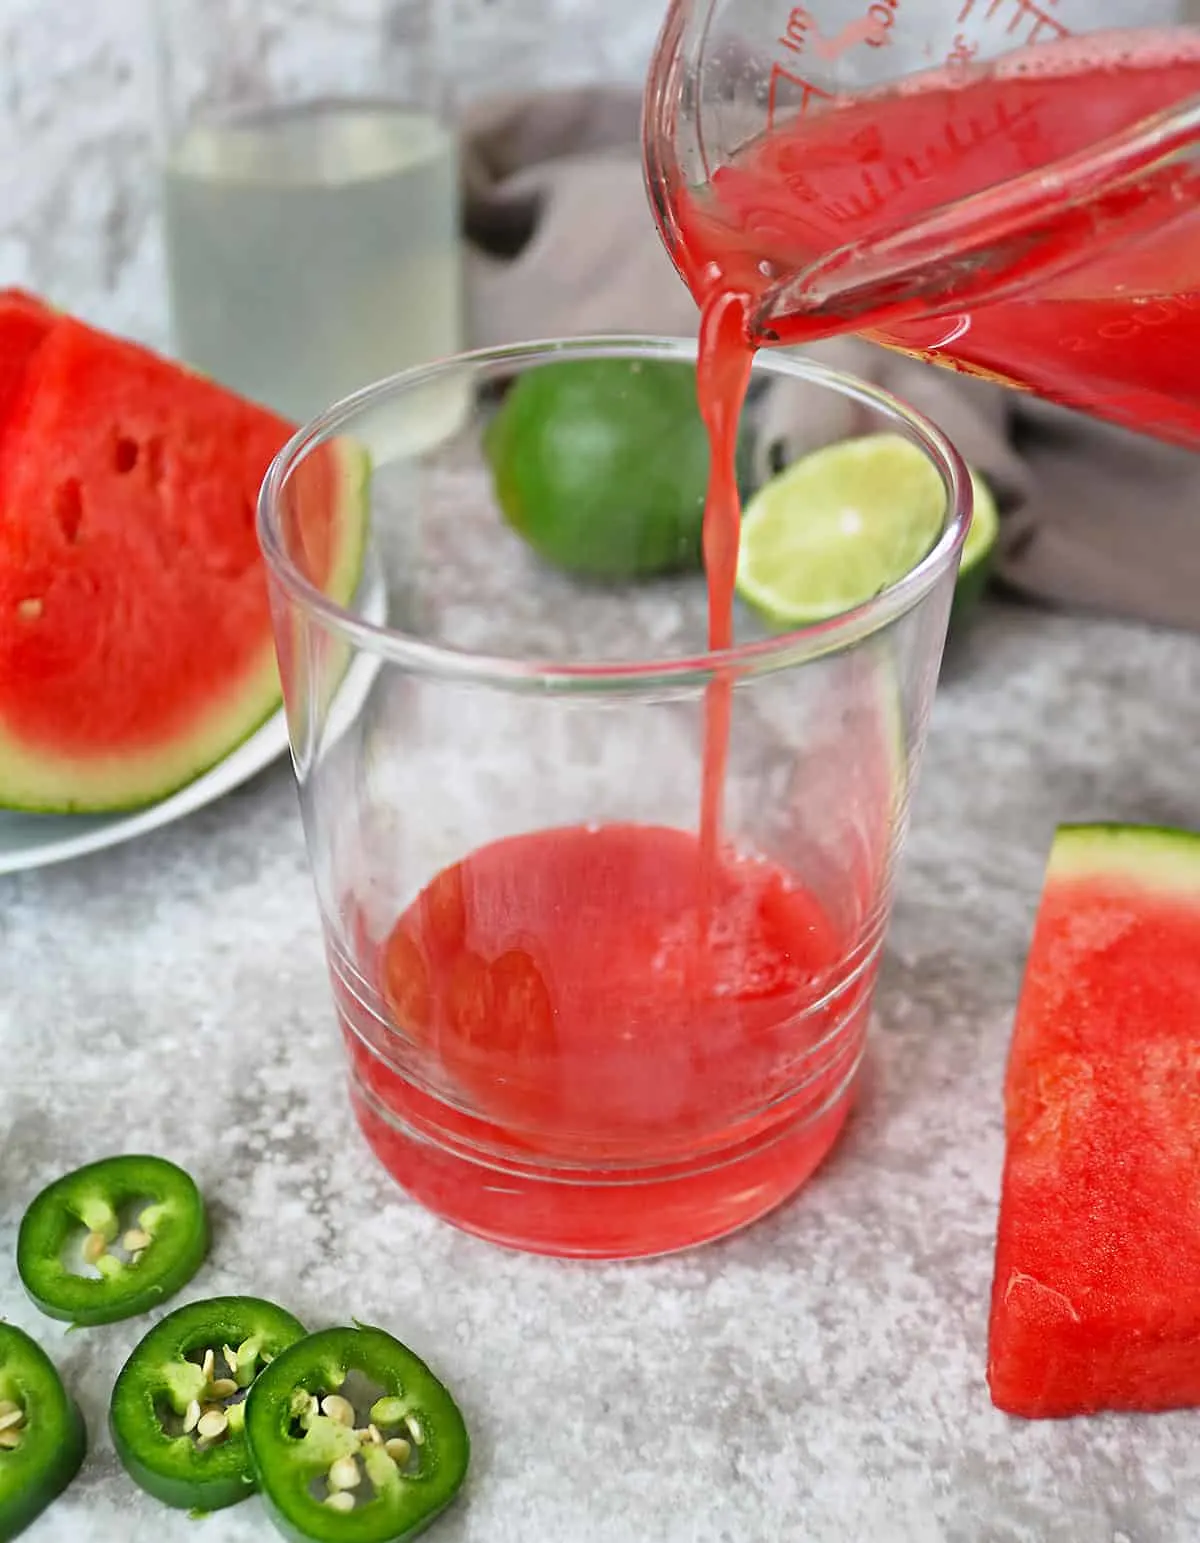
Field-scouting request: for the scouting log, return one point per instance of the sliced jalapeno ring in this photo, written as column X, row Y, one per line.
column 176, row 1413
column 141, row 1225
column 42, row 1435
column 353, row 1437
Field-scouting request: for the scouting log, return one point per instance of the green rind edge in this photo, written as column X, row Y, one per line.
column 1157, row 857
column 24, row 773
column 219, row 1494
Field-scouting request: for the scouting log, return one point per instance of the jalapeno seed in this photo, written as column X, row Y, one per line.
column 12, row 1419
column 212, row 1425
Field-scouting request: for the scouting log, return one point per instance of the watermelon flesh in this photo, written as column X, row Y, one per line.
column 25, row 324
column 1096, row 1294
column 135, row 638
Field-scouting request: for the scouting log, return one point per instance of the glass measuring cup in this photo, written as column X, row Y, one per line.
column 1010, row 186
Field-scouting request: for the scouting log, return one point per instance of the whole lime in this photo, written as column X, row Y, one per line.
column 601, row 465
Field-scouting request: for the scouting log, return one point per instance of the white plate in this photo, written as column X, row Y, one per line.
column 33, row 840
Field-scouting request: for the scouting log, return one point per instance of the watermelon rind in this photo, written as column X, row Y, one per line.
column 35, row 780
column 1157, row 857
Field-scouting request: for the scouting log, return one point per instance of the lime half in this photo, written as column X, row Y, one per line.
column 845, row 523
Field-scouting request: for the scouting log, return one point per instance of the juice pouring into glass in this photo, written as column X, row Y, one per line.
column 575, row 1023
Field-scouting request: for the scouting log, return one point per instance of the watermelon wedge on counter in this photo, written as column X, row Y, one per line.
column 1096, row 1294
column 135, row 639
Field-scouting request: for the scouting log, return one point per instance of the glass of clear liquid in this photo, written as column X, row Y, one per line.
column 310, row 194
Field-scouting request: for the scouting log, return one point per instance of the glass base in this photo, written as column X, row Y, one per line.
column 604, row 1214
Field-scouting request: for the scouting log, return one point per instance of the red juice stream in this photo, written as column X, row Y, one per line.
column 723, row 373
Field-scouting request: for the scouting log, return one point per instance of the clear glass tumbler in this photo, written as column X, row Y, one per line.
column 570, row 1028
column 310, row 193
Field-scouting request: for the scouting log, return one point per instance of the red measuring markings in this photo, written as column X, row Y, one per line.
column 795, row 34
column 802, row 35
column 880, row 16
column 781, row 78
column 880, row 178
column 802, row 32
column 1038, row 23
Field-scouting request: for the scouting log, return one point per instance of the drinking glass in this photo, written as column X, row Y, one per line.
column 572, row 1028
column 310, row 193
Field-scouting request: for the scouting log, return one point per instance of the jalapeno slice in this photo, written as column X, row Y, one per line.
column 353, row 1438
column 42, row 1435
column 139, row 1222
column 177, row 1409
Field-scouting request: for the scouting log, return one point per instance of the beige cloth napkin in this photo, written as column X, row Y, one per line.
column 561, row 243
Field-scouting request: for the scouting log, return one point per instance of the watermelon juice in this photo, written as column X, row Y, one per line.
column 633, row 1052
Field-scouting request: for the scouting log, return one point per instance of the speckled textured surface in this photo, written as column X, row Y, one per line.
column 818, row 1378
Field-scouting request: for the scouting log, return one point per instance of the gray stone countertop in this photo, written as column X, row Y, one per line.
column 817, row 1379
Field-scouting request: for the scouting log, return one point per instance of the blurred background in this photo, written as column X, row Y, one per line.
column 79, row 188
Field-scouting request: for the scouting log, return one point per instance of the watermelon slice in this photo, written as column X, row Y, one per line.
column 1096, row 1296
column 24, row 325
column 135, row 638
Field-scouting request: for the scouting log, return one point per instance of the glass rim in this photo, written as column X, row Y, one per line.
column 783, row 650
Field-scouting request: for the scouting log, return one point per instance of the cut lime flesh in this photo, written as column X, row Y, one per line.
column 845, row 523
